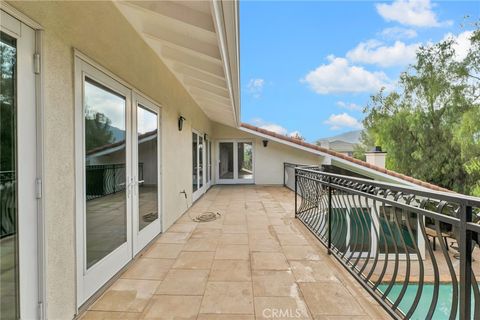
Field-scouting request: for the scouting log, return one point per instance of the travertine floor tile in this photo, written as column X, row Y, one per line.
column 194, row 260
column 274, row 284
column 184, row 282
column 330, row 298
column 264, row 245
column 255, row 257
column 228, row 297
column 148, row 269
column 183, row 227
column 230, row 270
column 283, row 308
column 234, row 238
column 311, row 271
column 232, row 252
column 108, row 315
column 164, row 251
column 201, row 244
column 225, row 317
column 174, row 237
column 301, row 253
column 269, row 261
column 126, row 295
column 163, row 307
column 289, row 239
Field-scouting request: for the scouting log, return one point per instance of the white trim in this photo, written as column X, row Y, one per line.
column 235, row 179
column 219, row 26
column 20, row 16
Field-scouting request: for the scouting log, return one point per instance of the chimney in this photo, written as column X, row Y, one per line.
column 376, row 157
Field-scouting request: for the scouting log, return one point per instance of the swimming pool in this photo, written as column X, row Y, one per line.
column 442, row 311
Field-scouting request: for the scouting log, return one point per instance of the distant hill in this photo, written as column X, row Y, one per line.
column 118, row 134
column 350, row 137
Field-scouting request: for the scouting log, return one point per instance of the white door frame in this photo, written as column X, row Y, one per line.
column 198, row 193
column 142, row 237
column 91, row 279
column 28, row 171
column 235, row 179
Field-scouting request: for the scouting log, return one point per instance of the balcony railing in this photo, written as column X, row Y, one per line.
column 385, row 234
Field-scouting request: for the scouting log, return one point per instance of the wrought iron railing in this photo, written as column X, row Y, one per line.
column 106, row 179
column 8, row 204
column 384, row 235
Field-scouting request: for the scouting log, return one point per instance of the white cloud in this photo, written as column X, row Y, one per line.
column 342, row 120
column 375, row 52
column 255, row 87
column 349, row 106
column 416, row 13
column 274, row 127
column 339, row 77
column 462, row 43
column 397, row 33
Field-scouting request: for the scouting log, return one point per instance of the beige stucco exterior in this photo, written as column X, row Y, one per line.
column 100, row 32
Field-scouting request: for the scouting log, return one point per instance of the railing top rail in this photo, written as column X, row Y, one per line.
column 446, row 196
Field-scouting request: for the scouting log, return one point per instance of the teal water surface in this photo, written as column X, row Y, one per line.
column 444, row 303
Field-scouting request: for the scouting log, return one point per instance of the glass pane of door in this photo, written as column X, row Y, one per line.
column 9, row 285
column 105, row 171
column 245, row 161
column 194, row 161
column 225, row 166
column 147, row 175
column 209, row 161
column 200, row 161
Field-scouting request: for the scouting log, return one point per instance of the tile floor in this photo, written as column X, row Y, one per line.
column 255, row 262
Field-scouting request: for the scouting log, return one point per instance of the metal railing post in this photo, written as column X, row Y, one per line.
column 465, row 248
column 295, row 173
column 284, row 170
column 329, row 215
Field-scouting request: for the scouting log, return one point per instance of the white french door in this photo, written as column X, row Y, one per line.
column 18, row 204
column 117, row 176
column 147, row 176
column 199, row 185
column 235, row 160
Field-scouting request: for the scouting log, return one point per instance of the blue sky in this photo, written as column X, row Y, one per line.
column 312, row 66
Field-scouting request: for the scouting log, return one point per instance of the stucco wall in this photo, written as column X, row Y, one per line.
column 99, row 31
column 268, row 161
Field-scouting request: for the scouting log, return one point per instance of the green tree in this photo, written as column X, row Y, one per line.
column 428, row 125
column 97, row 130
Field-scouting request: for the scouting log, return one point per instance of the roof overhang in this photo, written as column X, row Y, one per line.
column 198, row 41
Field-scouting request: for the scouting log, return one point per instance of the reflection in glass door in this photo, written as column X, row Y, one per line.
column 9, row 285
column 18, row 208
column 235, row 162
column 146, row 179
column 105, row 171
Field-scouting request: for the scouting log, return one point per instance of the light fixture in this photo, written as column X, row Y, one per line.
column 265, row 143
column 180, row 123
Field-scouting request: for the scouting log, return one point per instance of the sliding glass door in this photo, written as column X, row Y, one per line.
column 235, row 162
column 118, row 161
